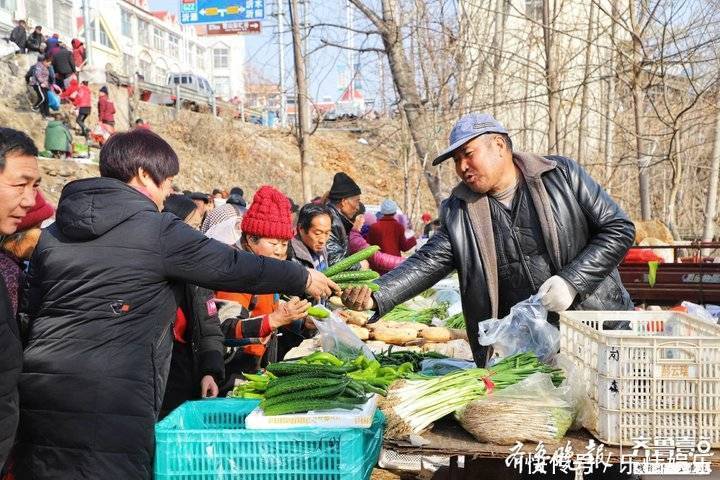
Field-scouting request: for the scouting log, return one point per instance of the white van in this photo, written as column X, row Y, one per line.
column 191, row 81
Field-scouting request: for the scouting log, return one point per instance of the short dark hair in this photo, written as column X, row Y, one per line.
column 506, row 139
column 125, row 153
column 15, row 142
column 138, row 121
column 308, row 212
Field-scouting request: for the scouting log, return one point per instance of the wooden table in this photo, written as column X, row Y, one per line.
column 449, row 439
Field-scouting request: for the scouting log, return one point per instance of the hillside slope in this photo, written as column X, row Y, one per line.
column 220, row 152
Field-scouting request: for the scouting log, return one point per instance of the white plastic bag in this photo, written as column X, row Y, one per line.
column 337, row 338
column 700, row 312
column 576, row 385
column 525, row 329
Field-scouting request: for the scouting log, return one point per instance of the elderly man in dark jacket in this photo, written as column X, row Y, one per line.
column 344, row 204
column 313, row 232
column 19, row 176
column 517, row 224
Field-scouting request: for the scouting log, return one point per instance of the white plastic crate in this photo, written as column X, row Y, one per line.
column 659, row 378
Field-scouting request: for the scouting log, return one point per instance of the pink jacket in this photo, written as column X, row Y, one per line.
column 380, row 262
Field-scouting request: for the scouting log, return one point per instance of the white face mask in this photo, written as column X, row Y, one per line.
column 227, row 231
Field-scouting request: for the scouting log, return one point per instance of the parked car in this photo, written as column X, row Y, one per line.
column 191, row 83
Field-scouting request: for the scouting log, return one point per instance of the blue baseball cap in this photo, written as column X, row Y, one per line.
column 468, row 127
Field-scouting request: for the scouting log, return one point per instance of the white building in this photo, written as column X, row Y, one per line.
column 226, row 64
column 153, row 44
column 131, row 38
column 55, row 16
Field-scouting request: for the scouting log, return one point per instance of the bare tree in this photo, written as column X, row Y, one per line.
column 404, row 78
column 712, row 193
column 582, row 129
column 302, row 104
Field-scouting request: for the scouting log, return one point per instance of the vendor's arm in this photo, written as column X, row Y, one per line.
column 611, row 231
column 430, row 264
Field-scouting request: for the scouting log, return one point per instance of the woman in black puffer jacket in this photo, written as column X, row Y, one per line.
column 102, row 302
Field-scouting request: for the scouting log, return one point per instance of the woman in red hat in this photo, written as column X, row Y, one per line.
column 267, row 229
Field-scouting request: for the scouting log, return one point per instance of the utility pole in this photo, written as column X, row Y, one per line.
column 88, row 36
column 302, row 100
column 281, row 60
column 306, row 27
column 350, row 53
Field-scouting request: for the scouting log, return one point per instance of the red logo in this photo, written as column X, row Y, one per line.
column 211, row 307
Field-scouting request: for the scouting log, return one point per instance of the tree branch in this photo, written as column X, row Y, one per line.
column 327, row 43
column 372, row 16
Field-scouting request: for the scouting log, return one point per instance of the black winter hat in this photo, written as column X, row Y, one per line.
column 179, row 205
column 200, row 196
column 235, row 199
column 237, row 191
column 343, row 187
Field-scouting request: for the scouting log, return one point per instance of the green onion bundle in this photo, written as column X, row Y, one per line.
column 404, row 313
column 455, row 321
column 412, row 405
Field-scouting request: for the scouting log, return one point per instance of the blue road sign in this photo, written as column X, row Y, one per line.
column 220, row 11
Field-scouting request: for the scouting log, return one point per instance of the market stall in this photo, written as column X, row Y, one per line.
column 638, row 389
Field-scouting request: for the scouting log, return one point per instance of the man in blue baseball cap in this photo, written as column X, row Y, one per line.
column 517, row 224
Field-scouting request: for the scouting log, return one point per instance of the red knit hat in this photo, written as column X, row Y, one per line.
column 37, row 214
column 269, row 215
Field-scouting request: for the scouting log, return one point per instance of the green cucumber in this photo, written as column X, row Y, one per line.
column 356, row 276
column 294, row 385
column 301, row 406
column 313, row 393
column 284, row 369
column 371, row 285
column 318, row 312
column 348, row 262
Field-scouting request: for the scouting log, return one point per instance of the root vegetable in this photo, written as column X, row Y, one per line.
column 395, row 335
column 362, row 333
column 436, row 334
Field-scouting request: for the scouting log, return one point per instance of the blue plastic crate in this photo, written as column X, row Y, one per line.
column 207, row 439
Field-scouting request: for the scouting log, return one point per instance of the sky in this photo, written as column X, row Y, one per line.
column 324, row 64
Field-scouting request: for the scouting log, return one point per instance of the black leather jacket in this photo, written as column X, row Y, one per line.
column 337, row 245
column 593, row 235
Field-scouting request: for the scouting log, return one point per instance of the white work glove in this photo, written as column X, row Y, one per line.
column 556, row 294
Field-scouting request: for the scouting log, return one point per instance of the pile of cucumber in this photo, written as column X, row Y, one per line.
column 339, row 273
column 299, row 388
